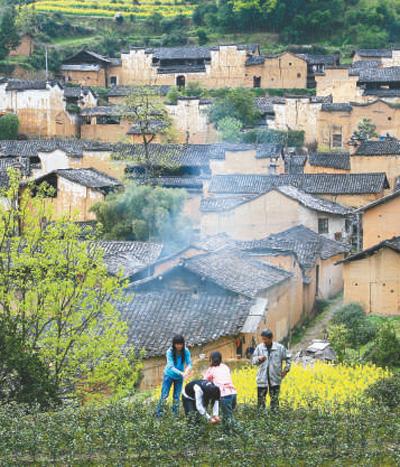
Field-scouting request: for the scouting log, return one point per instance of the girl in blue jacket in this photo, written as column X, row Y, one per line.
column 178, row 357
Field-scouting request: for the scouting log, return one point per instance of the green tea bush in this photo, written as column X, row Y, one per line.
column 360, row 330
column 386, row 392
column 129, row 434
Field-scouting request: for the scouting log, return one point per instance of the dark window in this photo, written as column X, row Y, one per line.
column 256, row 81
column 113, row 80
column 108, row 120
column 337, row 140
column 338, row 236
column 323, row 226
column 299, row 75
column 180, row 81
column 348, row 223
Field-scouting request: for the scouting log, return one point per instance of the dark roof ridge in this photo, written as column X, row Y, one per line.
column 392, row 243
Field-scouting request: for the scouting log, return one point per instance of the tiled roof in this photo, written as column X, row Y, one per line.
column 180, row 53
column 255, row 60
column 236, row 271
column 215, row 242
column 393, row 244
column 129, row 257
column 313, row 202
column 150, row 127
column 318, row 59
column 124, row 91
column 153, row 318
column 82, row 67
column 294, row 163
column 167, row 70
column 371, row 53
column 336, row 107
column 357, row 67
column 334, row 160
column 381, row 75
column 382, row 92
column 90, row 178
column 397, row 184
column 24, row 85
column 187, row 181
column 310, row 183
column 219, row 204
column 101, row 110
column 385, row 147
column 76, row 91
column 265, row 104
column 307, row 245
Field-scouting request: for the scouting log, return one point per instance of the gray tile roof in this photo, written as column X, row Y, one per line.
column 380, row 75
column 381, row 93
column 319, row 59
column 397, row 184
column 90, row 178
column 101, row 110
column 334, row 160
column 188, row 182
column 294, row 163
column 336, row 107
column 255, row 60
column 306, row 244
column 82, row 67
column 371, row 53
column 123, row 91
column 150, row 127
column 220, row 204
column 153, row 318
column 24, row 85
column 265, row 104
column 310, row 183
column 215, row 242
column 313, row 202
column 129, row 257
column 180, row 53
column 393, row 244
column 385, row 147
column 236, row 271
column 356, row 67
column 76, row 91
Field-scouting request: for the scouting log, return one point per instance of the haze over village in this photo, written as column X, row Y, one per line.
column 227, row 189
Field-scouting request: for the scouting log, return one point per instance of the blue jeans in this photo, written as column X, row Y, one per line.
column 228, row 405
column 165, row 389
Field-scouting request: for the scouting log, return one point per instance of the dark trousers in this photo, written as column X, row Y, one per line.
column 189, row 406
column 262, row 394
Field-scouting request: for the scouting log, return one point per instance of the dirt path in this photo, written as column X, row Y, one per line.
column 316, row 328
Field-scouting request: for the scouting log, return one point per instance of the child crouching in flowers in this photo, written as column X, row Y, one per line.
column 220, row 375
column 178, row 357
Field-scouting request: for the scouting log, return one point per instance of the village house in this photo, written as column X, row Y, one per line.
column 372, row 278
column 44, row 108
column 90, row 69
column 374, row 156
column 282, row 207
column 77, row 190
column 131, row 261
column 116, row 95
column 338, row 122
column 317, row 255
column 380, row 219
column 386, row 57
column 209, row 323
column 350, row 190
column 212, row 67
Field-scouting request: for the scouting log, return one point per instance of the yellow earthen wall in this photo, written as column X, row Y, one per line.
column 374, row 282
column 388, row 164
column 86, row 78
column 337, row 83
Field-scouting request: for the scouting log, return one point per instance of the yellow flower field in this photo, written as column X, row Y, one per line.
column 140, row 9
column 320, row 386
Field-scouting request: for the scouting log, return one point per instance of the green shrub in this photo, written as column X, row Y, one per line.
column 360, row 330
column 385, row 349
column 386, row 392
column 9, row 125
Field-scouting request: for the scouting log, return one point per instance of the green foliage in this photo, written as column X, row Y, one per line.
column 202, row 36
column 9, row 38
column 360, row 330
column 385, row 349
column 366, row 129
column 386, row 392
column 58, row 299
column 129, row 434
column 23, row 376
column 143, row 212
column 73, row 108
column 229, row 129
column 338, row 337
column 238, row 104
column 9, row 125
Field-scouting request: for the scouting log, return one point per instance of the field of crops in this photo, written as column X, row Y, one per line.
column 109, row 8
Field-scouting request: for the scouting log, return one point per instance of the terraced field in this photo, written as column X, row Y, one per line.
column 107, row 8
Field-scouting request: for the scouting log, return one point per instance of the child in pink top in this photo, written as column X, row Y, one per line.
column 220, row 375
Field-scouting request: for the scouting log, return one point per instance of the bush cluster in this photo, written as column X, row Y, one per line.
column 123, row 433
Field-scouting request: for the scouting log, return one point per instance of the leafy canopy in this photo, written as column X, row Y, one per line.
column 58, row 300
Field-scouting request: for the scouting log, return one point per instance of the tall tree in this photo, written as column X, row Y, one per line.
column 149, row 117
column 58, row 300
column 9, row 38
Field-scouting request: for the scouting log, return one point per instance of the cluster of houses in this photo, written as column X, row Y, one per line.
column 275, row 229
